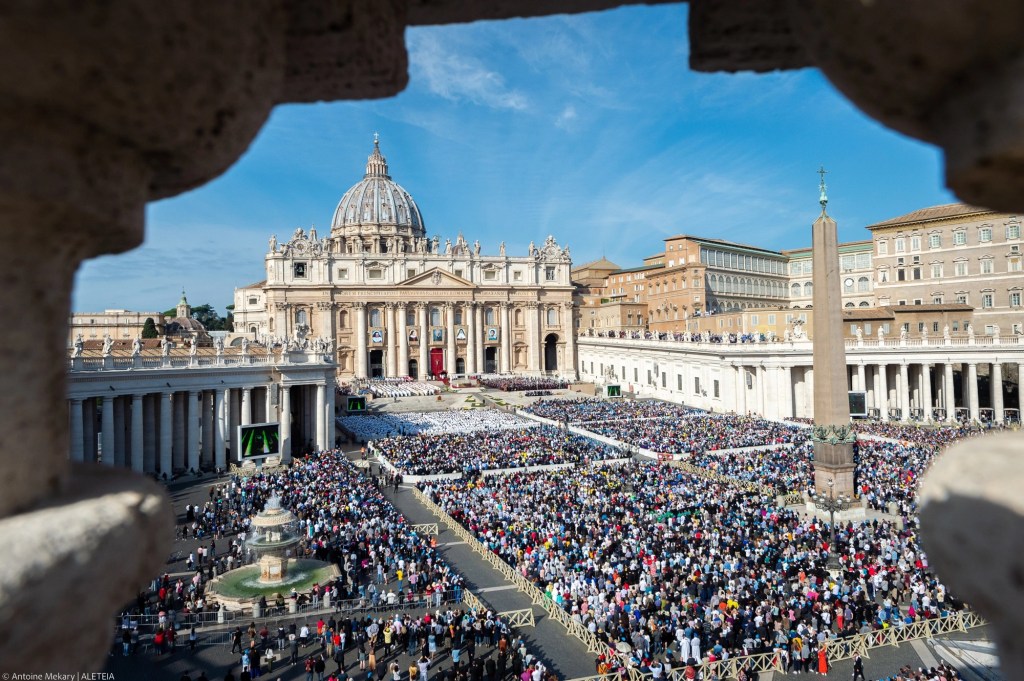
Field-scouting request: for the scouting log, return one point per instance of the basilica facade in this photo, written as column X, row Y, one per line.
column 389, row 301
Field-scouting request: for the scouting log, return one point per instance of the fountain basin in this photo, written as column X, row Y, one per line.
column 237, row 589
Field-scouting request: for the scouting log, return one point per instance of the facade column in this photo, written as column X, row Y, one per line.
column 286, row 420
column 178, row 457
column 861, row 383
column 77, row 448
column 471, row 340
column 926, row 390
column 948, row 394
column 972, row 386
column 740, row 407
column 505, row 351
column 107, row 432
column 785, row 392
column 762, row 385
column 403, row 345
column 538, row 337
column 245, row 415
column 268, row 407
column 321, row 411
column 89, row 423
column 360, row 364
column 424, row 364
column 136, row 452
column 478, row 342
column 809, row 390
column 220, row 428
column 391, row 331
column 996, row 388
column 206, row 451
column 330, row 427
column 570, row 341
column 449, row 321
column 904, row 392
column 192, row 414
column 120, row 428
column 166, row 442
column 149, row 433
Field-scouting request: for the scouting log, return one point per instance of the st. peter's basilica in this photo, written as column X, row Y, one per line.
column 391, row 301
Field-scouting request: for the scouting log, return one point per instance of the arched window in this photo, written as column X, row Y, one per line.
column 794, row 290
column 808, row 289
column 375, row 317
column 301, row 317
column 848, row 305
column 435, row 316
column 862, row 284
column 343, row 319
column 519, row 316
column 489, row 315
column 552, row 317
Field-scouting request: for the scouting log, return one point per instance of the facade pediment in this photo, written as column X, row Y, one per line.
column 436, row 278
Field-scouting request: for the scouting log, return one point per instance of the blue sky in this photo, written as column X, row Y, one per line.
column 590, row 127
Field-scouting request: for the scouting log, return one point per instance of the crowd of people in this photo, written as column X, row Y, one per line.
column 697, row 433
column 482, row 450
column 397, row 387
column 514, row 383
column 668, row 562
column 584, row 409
column 688, row 337
column 368, row 427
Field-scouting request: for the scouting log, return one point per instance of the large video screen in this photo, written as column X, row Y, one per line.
column 258, row 439
column 356, row 403
column 858, row 404
column 614, row 391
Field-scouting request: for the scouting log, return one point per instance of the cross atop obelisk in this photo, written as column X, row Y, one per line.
column 832, row 435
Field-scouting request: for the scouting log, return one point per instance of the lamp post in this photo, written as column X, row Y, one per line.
column 832, row 503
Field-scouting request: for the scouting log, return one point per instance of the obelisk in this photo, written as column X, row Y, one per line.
column 832, row 434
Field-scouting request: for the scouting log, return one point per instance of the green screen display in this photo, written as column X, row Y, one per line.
column 258, row 439
column 356, row 403
column 614, row 391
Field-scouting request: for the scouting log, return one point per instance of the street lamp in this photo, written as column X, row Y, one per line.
column 832, row 503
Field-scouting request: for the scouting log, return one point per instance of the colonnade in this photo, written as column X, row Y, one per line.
column 172, row 430
column 420, row 339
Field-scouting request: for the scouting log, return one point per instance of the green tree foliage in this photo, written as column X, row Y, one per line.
column 149, row 329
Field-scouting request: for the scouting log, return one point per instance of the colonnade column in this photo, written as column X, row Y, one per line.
column 138, row 431
column 449, row 321
column 192, row 414
column 532, row 331
column 220, row 427
column 785, row 392
column 904, row 392
column 245, row 415
column 321, row 427
column 390, row 370
column 89, row 429
column 360, row 365
column 861, row 383
column 926, row 390
column 948, row 394
column 740, row 407
column 403, row 345
column 424, row 363
column 286, row 420
column 809, row 390
column 107, row 432
column 505, row 350
column 883, row 391
column 972, row 388
column 206, row 453
column 996, row 388
column 119, row 432
column 329, row 428
column 478, row 341
column 77, row 448
column 180, row 435
column 166, row 460
column 471, row 340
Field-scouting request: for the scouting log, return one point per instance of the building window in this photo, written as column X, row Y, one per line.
column 883, row 248
column 253, row 300
column 1013, row 231
column 808, row 289
column 986, row 300
column 300, row 317
column 956, row 326
column 696, row 385
column 920, row 327
column 679, row 382
column 867, row 327
column 985, row 235
column 935, row 327
column 411, row 272
column 552, row 317
column 885, row 328
column 754, row 319
column 375, row 274
column 1014, row 298
column 410, row 317
column 771, row 320
column 915, row 243
column 883, row 276
column 960, row 268
column 490, row 275
column 375, row 318
column 458, row 273
column 916, row 271
column 458, row 315
column 934, row 241
column 961, row 298
column 959, row 237
column 1013, row 264
column 936, row 300
column 517, row 276
column 853, row 329
column 794, row 290
column 900, row 245
column 847, row 262
column 986, row 266
column 489, row 315
column 435, row 316
column 549, row 273
column 299, row 269
column 936, row 270
column 848, row 285
column 636, row 374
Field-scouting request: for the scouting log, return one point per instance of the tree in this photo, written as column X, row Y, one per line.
column 149, row 329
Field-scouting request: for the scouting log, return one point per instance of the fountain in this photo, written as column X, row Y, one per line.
column 274, row 540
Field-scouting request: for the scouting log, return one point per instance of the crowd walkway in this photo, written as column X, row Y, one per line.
column 549, row 640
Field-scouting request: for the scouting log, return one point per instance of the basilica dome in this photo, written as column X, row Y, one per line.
column 377, row 202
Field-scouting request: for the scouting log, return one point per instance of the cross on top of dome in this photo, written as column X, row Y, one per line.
column 376, row 164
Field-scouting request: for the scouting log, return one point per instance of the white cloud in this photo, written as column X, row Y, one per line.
column 458, row 77
column 565, row 120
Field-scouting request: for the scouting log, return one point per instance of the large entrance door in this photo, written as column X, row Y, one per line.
column 491, row 360
column 460, row 366
column 436, row 361
column 414, row 368
column 376, row 364
column 551, row 352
